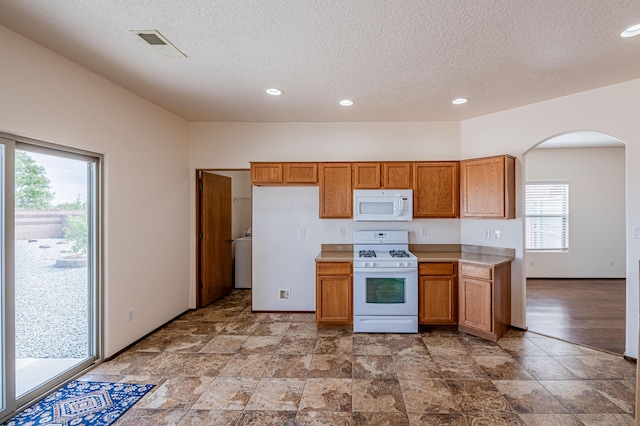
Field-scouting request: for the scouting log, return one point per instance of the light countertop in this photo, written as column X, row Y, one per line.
column 424, row 253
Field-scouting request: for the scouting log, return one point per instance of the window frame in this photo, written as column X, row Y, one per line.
column 563, row 205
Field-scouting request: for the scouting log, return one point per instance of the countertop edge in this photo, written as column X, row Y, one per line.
column 426, row 257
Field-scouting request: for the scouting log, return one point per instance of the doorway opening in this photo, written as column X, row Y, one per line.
column 575, row 253
column 223, row 230
column 50, row 307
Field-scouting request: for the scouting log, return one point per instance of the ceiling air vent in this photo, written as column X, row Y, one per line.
column 159, row 43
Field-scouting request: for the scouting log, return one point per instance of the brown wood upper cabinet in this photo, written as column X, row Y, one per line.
column 387, row 175
column 301, row 173
column 396, row 175
column 488, row 187
column 336, row 194
column 366, row 175
column 284, row 173
column 266, row 173
column 436, row 189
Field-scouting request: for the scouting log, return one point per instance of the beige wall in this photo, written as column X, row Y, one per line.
column 47, row 97
column 611, row 110
column 235, row 145
column 147, row 164
column 597, row 244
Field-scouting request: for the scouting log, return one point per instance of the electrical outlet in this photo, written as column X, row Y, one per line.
column 611, row 262
column 498, row 234
column 423, row 232
column 487, row 233
column 284, row 294
column 301, row 232
column 130, row 314
column 342, row 232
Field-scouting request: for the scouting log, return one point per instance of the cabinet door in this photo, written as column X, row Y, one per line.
column 266, row 173
column 436, row 189
column 436, row 299
column 334, row 299
column 396, row 175
column 301, row 173
column 366, row 175
column 488, row 187
column 476, row 304
column 336, row 195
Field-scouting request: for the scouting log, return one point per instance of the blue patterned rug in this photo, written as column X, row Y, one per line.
column 82, row 403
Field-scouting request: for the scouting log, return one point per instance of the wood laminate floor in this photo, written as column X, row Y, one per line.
column 585, row 311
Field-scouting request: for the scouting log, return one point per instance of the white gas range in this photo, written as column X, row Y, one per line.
column 385, row 283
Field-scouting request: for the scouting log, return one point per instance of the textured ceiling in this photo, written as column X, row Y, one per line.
column 399, row 60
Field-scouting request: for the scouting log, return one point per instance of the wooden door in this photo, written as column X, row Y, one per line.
column 334, row 293
column 435, row 189
column 215, row 260
column 436, row 300
column 336, row 195
column 366, row 175
column 266, row 173
column 476, row 304
column 488, row 187
column 297, row 173
column 396, row 175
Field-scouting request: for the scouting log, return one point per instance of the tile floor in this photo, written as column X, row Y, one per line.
column 224, row 365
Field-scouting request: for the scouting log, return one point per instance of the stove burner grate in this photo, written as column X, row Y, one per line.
column 367, row 253
column 398, row 253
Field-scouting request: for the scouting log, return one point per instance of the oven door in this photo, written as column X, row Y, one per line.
column 385, row 291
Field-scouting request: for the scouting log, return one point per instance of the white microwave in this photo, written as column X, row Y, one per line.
column 382, row 205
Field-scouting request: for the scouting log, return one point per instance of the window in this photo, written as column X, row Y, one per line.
column 547, row 215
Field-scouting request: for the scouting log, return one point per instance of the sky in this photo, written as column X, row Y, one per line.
column 68, row 177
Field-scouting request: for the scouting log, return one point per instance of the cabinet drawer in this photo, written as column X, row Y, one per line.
column 476, row 271
column 435, row 268
column 333, row 268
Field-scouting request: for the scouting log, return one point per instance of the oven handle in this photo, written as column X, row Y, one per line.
column 385, row 270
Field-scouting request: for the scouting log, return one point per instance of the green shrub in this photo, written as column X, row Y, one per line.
column 77, row 233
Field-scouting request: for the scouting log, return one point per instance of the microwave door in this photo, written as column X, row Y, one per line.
column 375, row 209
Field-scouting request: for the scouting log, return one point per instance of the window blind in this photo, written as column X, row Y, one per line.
column 547, row 216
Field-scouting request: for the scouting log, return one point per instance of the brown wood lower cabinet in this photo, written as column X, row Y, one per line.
column 334, row 293
column 437, row 293
column 485, row 300
column 475, row 297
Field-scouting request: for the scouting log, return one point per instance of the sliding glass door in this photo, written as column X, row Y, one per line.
column 50, row 308
column 7, row 401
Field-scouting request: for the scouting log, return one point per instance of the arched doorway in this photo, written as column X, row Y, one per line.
column 575, row 244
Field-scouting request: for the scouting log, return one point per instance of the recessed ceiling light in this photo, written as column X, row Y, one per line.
column 631, row 31
column 274, row 92
column 460, row 101
column 346, row 102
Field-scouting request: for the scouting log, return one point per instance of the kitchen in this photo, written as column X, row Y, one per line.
column 227, row 144
column 130, row 129
column 283, row 275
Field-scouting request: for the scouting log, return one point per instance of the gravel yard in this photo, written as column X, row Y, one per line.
column 51, row 302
